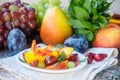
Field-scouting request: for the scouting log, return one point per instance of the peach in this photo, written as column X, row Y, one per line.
column 108, row 37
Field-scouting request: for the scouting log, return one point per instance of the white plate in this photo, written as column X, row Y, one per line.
column 80, row 66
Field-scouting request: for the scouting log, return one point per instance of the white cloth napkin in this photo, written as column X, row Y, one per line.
column 9, row 67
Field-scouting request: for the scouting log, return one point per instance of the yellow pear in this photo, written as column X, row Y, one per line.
column 55, row 27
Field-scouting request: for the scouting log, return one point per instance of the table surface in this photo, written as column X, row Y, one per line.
column 112, row 73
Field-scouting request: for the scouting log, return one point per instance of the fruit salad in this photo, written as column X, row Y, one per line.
column 51, row 57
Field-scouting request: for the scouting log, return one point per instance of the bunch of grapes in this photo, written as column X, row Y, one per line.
column 42, row 6
column 16, row 15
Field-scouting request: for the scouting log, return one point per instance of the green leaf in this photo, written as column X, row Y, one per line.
column 103, row 19
column 100, row 21
column 90, row 36
column 62, row 56
column 77, row 2
column 102, row 25
column 81, row 13
column 71, row 10
column 87, row 24
column 87, row 6
column 83, row 32
column 94, row 4
column 94, row 11
column 88, row 16
column 95, row 19
column 75, row 23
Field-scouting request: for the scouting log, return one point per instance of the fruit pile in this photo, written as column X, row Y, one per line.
column 50, row 57
column 41, row 7
column 15, row 15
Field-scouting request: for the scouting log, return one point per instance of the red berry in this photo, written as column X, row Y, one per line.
column 99, row 57
column 73, row 57
column 90, row 57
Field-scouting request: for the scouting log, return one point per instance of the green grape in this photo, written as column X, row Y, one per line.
column 46, row 6
column 41, row 15
column 41, row 65
column 45, row 1
column 56, row 2
column 13, row 7
column 71, row 64
column 40, row 8
column 42, row 2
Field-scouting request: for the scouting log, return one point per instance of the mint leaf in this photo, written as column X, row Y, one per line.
column 90, row 36
column 62, row 56
column 81, row 13
column 103, row 19
column 87, row 6
column 87, row 24
column 76, row 23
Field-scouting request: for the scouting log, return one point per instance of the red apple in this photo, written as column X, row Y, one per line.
column 108, row 37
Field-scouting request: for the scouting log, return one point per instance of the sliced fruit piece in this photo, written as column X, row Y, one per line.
column 90, row 57
column 41, row 65
column 62, row 65
column 29, row 57
column 100, row 57
column 55, row 54
column 68, row 51
column 73, row 57
column 71, row 64
column 51, row 67
column 39, row 50
column 50, row 60
column 40, row 58
column 33, row 46
column 34, row 63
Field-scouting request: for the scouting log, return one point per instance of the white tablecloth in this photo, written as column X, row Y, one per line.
column 10, row 69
